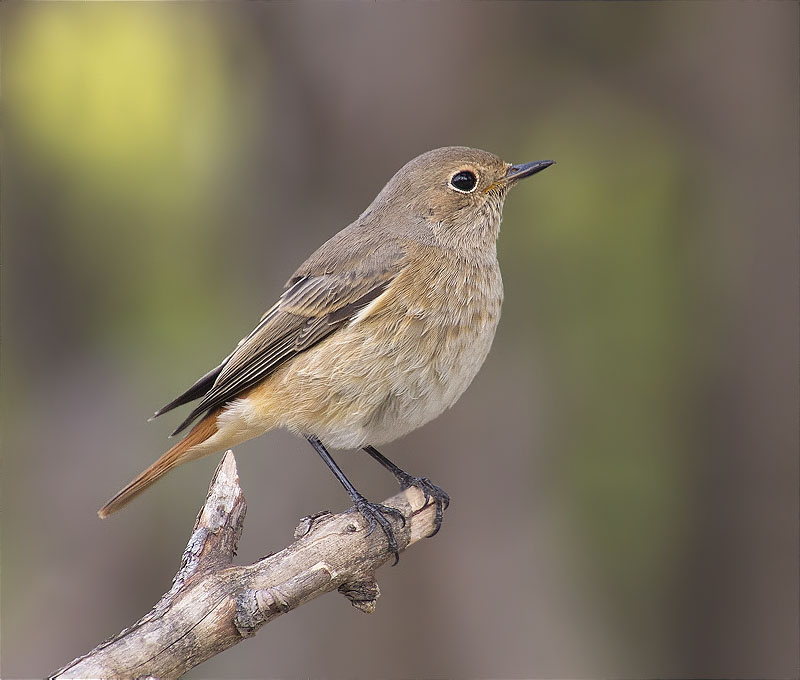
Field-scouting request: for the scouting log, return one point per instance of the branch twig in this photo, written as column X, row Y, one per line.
column 213, row 604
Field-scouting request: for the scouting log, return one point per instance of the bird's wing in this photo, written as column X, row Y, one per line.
column 320, row 298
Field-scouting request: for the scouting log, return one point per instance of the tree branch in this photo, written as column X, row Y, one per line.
column 213, row 604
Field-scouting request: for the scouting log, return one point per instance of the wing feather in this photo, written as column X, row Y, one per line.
column 314, row 305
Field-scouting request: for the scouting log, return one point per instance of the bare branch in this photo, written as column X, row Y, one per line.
column 213, row 604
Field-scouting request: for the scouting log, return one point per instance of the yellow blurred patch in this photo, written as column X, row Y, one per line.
column 117, row 88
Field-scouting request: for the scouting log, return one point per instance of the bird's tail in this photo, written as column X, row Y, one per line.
column 181, row 453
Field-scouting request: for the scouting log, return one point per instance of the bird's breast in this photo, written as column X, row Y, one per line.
column 403, row 360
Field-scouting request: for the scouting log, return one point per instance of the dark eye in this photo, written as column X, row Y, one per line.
column 464, row 181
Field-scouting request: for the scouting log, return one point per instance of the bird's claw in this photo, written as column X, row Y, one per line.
column 430, row 491
column 376, row 514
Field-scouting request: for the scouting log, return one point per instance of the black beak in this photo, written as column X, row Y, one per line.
column 516, row 172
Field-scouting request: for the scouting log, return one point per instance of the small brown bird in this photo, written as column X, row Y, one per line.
column 376, row 334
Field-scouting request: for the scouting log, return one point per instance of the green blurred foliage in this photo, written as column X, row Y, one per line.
column 613, row 314
column 128, row 112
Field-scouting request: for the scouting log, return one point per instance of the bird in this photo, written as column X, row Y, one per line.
column 377, row 333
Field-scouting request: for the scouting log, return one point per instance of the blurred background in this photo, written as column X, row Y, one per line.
column 624, row 470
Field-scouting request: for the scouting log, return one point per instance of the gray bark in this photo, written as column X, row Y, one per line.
column 214, row 604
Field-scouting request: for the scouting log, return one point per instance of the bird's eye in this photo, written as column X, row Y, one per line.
column 464, row 181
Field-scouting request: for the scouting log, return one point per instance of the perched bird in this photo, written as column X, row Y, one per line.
column 375, row 334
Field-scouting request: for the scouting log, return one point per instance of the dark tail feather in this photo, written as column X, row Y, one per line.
column 196, row 391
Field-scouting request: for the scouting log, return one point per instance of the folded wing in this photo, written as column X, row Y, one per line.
column 321, row 298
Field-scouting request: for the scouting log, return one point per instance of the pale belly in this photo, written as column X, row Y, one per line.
column 375, row 381
column 375, row 395
column 391, row 370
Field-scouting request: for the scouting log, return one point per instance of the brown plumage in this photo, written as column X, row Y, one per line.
column 377, row 333
column 177, row 455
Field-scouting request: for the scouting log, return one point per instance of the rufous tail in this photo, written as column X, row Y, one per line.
column 177, row 455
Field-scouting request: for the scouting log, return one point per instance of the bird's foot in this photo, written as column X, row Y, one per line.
column 431, row 491
column 376, row 514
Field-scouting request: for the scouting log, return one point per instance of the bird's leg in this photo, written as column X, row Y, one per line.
column 424, row 484
column 374, row 513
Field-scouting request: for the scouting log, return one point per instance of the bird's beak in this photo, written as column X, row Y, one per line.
column 516, row 172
